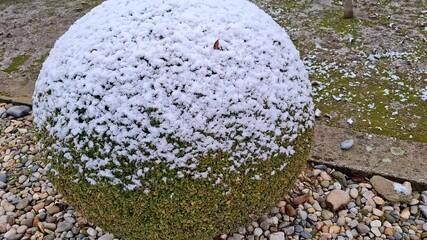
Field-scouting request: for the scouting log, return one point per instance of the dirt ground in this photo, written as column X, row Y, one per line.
column 28, row 30
column 369, row 73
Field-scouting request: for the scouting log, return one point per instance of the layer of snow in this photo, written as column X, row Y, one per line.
column 134, row 73
column 399, row 188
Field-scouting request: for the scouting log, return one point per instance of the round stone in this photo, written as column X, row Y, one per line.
column 338, row 199
column 376, row 223
column 327, row 215
column 258, row 232
column 347, row 144
column 362, row 228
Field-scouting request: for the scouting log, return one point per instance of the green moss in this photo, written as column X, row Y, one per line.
column 407, row 124
column 195, row 210
column 40, row 61
column 16, row 63
column 336, row 22
column 4, row 94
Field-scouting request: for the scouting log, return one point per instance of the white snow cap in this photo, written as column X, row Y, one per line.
column 144, row 78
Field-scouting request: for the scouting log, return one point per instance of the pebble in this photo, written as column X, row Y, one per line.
column 305, row 234
column 362, row 228
column 356, row 212
column 277, row 236
column 340, row 177
column 377, row 212
column 378, row 200
column 18, row 111
column 386, row 188
column 354, row 193
column 3, row 177
column 63, row 226
column 106, row 237
column 347, row 144
column 405, row 213
column 302, row 214
column 258, row 232
column 423, row 209
column 376, row 223
column 376, row 231
column 337, row 199
column 289, row 230
column 12, row 234
column 327, row 215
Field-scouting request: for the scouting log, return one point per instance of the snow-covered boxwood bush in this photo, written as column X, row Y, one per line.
column 173, row 119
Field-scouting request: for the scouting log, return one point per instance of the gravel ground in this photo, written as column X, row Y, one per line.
column 324, row 204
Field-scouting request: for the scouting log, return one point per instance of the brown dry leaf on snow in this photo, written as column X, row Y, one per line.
column 216, row 45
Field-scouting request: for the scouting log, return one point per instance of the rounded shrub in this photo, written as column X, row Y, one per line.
column 173, row 119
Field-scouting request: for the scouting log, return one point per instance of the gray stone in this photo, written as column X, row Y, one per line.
column 22, row 204
column 275, row 210
column 340, row 177
column 386, row 189
column 258, row 232
column 106, row 237
column 327, row 215
column 3, row 177
column 277, row 236
column 299, row 228
column 347, row 144
column 389, row 217
column 376, row 223
column 338, row 199
column 320, row 166
column 349, row 234
column 265, row 224
column 414, row 210
column 22, row 179
column 341, row 221
column 3, row 113
column 49, row 237
column 305, row 234
column 397, row 236
column 236, row 236
column 353, row 223
column 289, row 230
column 69, row 235
column 12, row 234
column 376, row 231
column 423, row 209
column 312, row 217
column 3, row 227
column 362, row 228
column 324, row 184
column 70, row 220
column 42, row 216
column 18, row 111
column 63, row 226
column 302, row 214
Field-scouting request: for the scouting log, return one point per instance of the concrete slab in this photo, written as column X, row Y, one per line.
column 371, row 154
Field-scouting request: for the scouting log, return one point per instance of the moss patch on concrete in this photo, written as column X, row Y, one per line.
column 16, row 63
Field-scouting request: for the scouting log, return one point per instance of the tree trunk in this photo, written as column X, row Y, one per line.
column 348, row 9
